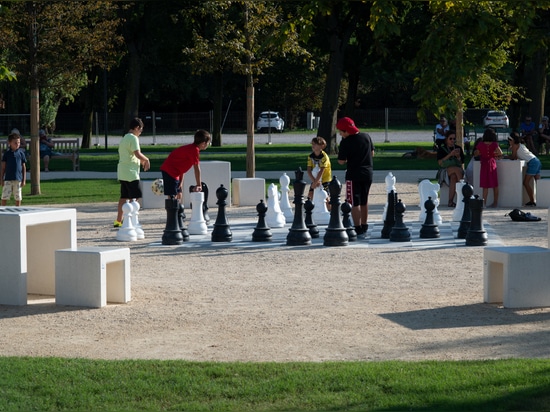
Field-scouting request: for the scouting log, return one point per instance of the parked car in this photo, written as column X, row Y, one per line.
column 496, row 118
column 270, row 120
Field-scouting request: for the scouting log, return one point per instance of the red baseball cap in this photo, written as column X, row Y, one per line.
column 347, row 125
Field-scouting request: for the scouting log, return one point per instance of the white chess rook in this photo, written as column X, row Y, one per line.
column 274, row 216
column 197, row 224
column 127, row 232
column 286, row 208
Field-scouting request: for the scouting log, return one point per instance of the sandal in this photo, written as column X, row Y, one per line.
column 452, row 204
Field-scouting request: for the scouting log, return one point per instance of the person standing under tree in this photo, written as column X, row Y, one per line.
column 129, row 163
column 356, row 152
column 488, row 151
column 14, row 172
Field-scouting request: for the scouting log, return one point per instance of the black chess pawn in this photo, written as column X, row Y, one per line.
column 262, row 232
column 310, row 224
column 476, row 236
column 400, row 232
column 181, row 219
column 346, row 221
column 429, row 229
column 221, row 231
column 389, row 221
column 172, row 231
column 467, row 192
column 298, row 234
column 335, row 234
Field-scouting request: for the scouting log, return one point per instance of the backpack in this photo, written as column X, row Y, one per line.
column 520, row 216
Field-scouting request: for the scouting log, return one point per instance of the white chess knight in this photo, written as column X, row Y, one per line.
column 135, row 220
column 390, row 185
column 274, row 216
column 320, row 213
column 197, row 224
column 427, row 189
column 127, row 232
column 286, row 208
column 459, row 209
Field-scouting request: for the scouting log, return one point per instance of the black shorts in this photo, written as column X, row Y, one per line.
column 130, row 190
column 171, row 185
column 357, row 191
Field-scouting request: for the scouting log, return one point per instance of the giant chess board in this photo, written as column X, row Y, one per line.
column 242, row 230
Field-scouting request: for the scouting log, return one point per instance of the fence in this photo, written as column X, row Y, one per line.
column 233, row 121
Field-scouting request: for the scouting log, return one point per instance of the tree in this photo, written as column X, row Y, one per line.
column 50, row 45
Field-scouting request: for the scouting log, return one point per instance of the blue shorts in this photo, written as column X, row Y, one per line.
column 171, row 185
column 533, row 167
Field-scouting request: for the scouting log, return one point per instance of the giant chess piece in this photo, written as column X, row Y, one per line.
column 197, row 224
column 346, row 221
column 390, row 186
column 127, row 232
column 310, row 222
column 428, row 189
column 286, row 208
column 204, row 189
column 321, row 215
column 262, row 232
column 476, row 236
column 172, row 231
column 221, row 231
column 389, row 221
column 274, row 216
column 299, row 233
column 335, row 234
column 467, row 192
column 429, row 229
column 400, row 232
column 181, row 219
column 135, row 219
column 459, row 208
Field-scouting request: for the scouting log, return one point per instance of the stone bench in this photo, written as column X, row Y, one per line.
column 248, row 191
column 92, row 276
column 543, row 192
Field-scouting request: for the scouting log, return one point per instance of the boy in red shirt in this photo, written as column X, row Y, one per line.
column 180, row 161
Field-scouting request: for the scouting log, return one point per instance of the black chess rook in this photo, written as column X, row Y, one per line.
column 172, row 231
column 476, row 236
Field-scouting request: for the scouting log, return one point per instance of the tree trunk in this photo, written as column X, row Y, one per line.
column 217, row 110
column 535, row 81
column 250, row 155
column 88, row 114
column 35, row 146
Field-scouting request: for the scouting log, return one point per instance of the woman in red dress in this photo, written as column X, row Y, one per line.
column 488, row 151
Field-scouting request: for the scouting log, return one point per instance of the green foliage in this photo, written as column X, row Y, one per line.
column 128, row 385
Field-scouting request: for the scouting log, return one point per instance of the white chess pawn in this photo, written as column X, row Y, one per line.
column 127, row 232
column 320, row 213
column 286, row 208
column 459, row 209
column 135, row 220
column 390, row 185
column 274, row 216
column 197, row 224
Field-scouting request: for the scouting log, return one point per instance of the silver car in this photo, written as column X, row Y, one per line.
column 269, row 120
column 496, row 118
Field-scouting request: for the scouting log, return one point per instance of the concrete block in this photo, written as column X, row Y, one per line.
column 543, row 193
column 517, row 276
column 92, row 276
column 248, row 191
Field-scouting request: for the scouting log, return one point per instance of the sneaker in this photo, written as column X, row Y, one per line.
column 116, row 223
column 530, row 204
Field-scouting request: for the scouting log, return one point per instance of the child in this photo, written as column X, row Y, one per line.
column 318, row 158
column 130, row 161
column 180, row 161
column 488, row 151
column 14, row 172
column 519, row 151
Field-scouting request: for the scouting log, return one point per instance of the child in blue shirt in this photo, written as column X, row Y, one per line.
column 13, row 175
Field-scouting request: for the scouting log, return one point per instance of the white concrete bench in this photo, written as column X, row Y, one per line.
column 214, row 173
column 543, row 192
column 248, row 191
column 92, row 276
